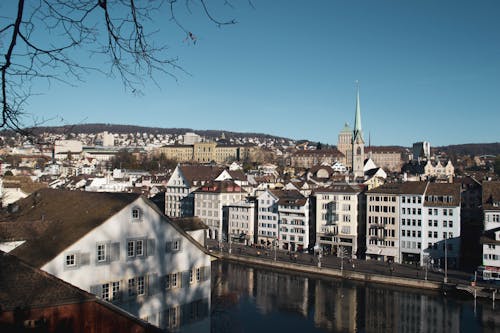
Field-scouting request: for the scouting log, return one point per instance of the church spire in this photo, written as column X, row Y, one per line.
column 357, row 119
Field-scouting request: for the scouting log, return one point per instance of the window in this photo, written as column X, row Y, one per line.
column 132, row 287
column 136, row 214
column 115, row 291
column 198, row 275
column 70, row 260
column 101, row 252
column 450, row 212
column 105, row 291
column 135, row 248
column 450, row 224
column 191, row 276
column 430, row 211
column 176, row 245
column 141, row 285
column 173, row 280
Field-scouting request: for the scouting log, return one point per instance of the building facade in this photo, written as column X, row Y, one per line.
column 340, row 219
column 121, row 248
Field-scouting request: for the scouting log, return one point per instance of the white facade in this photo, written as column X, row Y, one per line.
column 178, row 202
column 108, row 139
column 209, row 206
column 141, row 262
column 64, row 147
column 190, row 138
column 338, row 217
column 241, row 222
column 267, row 218
column 294, row 227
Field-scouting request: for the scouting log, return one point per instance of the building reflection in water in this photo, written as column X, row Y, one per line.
column 184, row 309
column 257, row 294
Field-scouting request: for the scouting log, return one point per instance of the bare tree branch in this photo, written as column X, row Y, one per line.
column 46, row 39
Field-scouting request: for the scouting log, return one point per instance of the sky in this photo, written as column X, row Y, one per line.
column 427, row 70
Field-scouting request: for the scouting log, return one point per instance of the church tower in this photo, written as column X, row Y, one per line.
column 358, row 144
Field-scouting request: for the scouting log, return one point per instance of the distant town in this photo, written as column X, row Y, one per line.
column 128, row 216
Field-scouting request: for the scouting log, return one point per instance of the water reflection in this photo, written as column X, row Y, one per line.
column 246, row 299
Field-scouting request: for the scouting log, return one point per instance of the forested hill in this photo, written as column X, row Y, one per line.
column 124, row 129
column 472, row 149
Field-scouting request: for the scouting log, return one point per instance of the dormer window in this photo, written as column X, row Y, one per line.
column 136, row 214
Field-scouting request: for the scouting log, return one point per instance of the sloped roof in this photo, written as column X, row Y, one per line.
column 491, row 195
column 443, row 189
column 68, row 216
column 200, row 172
column 340, row 188
column 400, row 188
column 488, row 237
column 225, row 186
column 189, row 223
column 289, row 197
column 24, row 286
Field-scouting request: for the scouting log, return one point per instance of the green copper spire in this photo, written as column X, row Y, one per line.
column 357, row 119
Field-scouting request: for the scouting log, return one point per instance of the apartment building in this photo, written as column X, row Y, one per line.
column 442, row 208
column 340, row 219
column 382, row 222
column 119, row 247
column 294, row 229
column 414, row 222
column 211, row 202
column 491, row 237
column 267, row 217
column 179, row 197
column 242, row 226
column 413, row 225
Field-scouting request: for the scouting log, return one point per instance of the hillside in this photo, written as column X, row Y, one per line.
column 123, row 129
column 472, row 149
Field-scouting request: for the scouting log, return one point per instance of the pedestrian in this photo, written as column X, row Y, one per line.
column 353, row 266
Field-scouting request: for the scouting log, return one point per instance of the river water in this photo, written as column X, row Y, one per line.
column 254, row 299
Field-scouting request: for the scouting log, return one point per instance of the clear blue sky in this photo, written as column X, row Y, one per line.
column 428, row 70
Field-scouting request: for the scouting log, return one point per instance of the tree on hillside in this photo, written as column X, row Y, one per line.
column 497, row 165
column 46, row 39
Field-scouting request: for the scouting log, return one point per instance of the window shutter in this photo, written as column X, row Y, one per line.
column 168, row 247
column 114, row 252
column 180, row 244
column 150, row 247
column 162, row 282
column 185, row 279
column 152, row 284
column 206, row 273
column 96, row 290
column 84, row 259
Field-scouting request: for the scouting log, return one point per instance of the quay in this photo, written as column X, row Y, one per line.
column 357, row 270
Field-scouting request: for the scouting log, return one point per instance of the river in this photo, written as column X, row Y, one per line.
column 255, row 299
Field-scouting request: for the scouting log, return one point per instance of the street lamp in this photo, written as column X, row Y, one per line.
column 341, row 248
column 274, row 242
column 445, row 259
column 320, row 255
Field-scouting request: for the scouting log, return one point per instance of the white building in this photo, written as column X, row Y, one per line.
column 108, row 139
column 413, row 222
column 294, row 230
column 442, row 207
column 65, row 148
column 421, row 151
column 190, row 138
column 121, row 248
column 241, row 222
column 491, row 236
column 267, row 217
column 340, row 219
column 210, row 205
column 179, row 200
